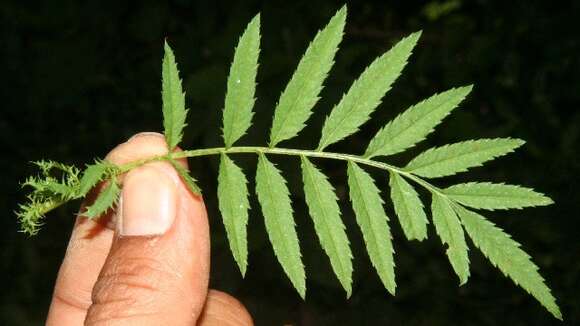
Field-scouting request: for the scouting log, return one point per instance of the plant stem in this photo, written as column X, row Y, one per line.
column 283, row 151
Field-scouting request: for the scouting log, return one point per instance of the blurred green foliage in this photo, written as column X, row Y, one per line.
column 80, row 77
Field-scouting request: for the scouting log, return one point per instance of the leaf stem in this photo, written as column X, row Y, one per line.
column 284, row 151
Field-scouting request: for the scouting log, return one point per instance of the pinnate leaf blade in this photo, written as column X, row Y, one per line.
column 505, row 253
column 93, row 174
column 63, row 190
column 487, row 195
column 451, row 233
column 372, row 220
column 234, row 205
column 190, row 182
column 301, row 93
column 366, row 92
column 174, row 112
column 451, row 159
column 408, row 207
column 242, row 84
column 274, row 199
column 413, row 125
column 105, row 200
column 325, row 213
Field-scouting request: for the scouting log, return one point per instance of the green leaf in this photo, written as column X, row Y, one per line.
column 487, row 195
column 413, row 125
column 408, row 207
column 106, row 199
column 31, row 214
column 301, row 93
column 372, row 220
column 505, row 253
column 274, row 198
column 48, row 187
column 450, row 231
column 366, row 93
column 174, row 112
column 92, row 175
column 64, row 191
column 242, row 84
column 234, row 205
column 323, row 207
column 451, row 159
column 190, row 182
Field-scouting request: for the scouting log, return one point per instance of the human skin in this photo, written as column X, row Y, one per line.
column 146, row 262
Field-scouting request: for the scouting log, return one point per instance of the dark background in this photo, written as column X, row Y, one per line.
column 79, row 77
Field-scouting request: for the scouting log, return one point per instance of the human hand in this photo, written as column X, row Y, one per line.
column 147, row 263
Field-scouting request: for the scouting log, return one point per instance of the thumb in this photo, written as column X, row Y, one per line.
column 157, row 270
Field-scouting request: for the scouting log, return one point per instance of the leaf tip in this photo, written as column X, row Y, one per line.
column 392, row 288
column 243, row 269
column 167, row 48
column 340, row 17
column 557, row 314
column 416, row 35
column 256, row 21
column 518, row 142
column 464, row 90
column 302, row 292
column 348, row 292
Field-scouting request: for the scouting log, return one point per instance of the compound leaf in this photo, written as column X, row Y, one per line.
column 505, row 253
column 451, row 159
column 274, row 198
column 234, row 205
column 366, row 92
column 105, row 200
column 451, row 233
column 323, row 207
column 413, row 125
column 242, row 84
column 190, row 182
column 60, row 183
column 487, row 195
column 174, row 112
column 408, row 207
column 301, row 93
column 372, row 220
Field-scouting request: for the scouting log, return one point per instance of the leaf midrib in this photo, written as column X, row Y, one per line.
column 229, row 142
column 393, row 139
column 456, row 157
column 374, row 243
column 274, row 140
column 235, row 234
column 406, row 206
column 171, row 109
column 351, row 108
column 492, row 196
column 445, row 218
column 331, row 234
column 277, row 226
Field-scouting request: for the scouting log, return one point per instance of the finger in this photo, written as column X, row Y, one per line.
column 85, row 255
column 91, row 241
column 157, row 270
column 221, row 309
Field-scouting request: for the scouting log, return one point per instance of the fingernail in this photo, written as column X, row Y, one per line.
column 149, row 203
column 146, row 134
